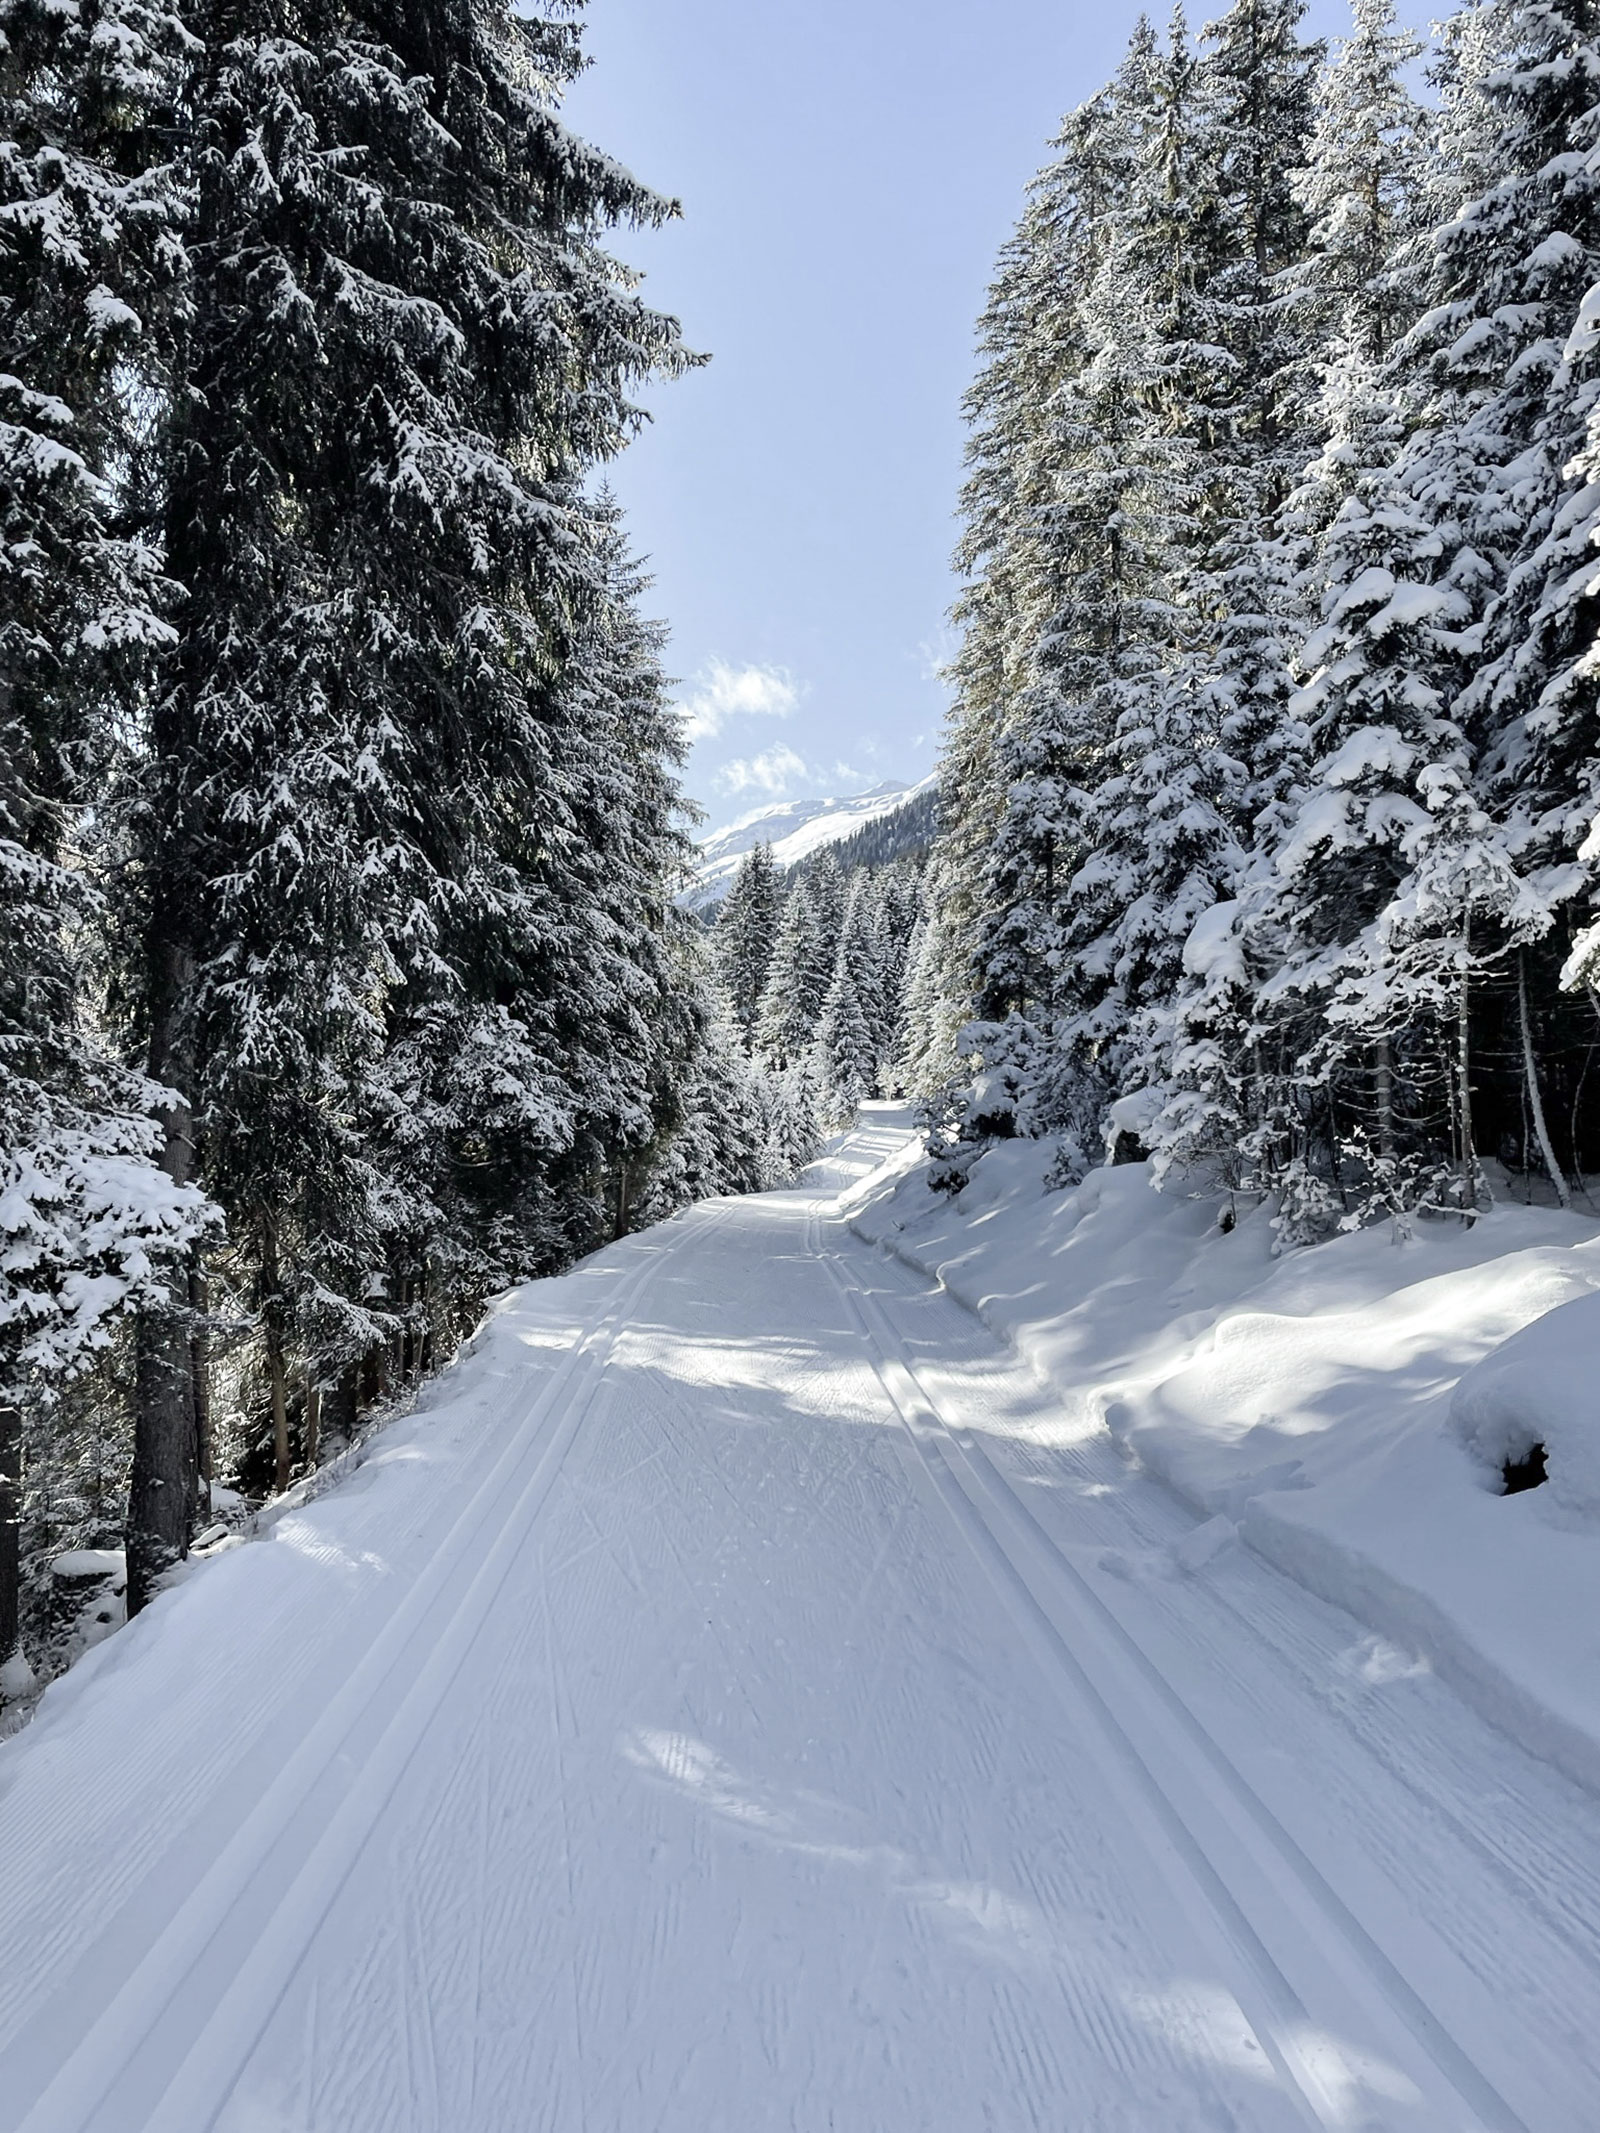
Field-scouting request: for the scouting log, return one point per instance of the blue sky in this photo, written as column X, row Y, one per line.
column 848, row 170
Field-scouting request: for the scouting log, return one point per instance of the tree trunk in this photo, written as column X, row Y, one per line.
column 1469, row 1151
column 621, row 1229
column 10, row 1532
column 313, row 1430
column 396, row 1348
column 166, row 1451
column 200, row 1365
column 1383, row 1075
column 344, row 1404
column 277, row 1382
column 1531, row 1082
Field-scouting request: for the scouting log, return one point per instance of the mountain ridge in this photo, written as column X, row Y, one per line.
column 795, row 829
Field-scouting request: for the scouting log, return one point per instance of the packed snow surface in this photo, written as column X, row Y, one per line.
column 750, row 1697
column 794, row 829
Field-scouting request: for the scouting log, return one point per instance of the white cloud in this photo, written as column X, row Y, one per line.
column 775, row 773
column 722, row 692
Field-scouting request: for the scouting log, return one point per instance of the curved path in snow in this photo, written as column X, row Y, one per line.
column 721, row 1712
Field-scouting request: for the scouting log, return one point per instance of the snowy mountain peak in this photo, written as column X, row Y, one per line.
column 794, row 829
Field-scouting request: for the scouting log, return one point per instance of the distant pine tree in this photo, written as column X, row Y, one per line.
column 747, row 927
column 802, row 967
column 846, row 1047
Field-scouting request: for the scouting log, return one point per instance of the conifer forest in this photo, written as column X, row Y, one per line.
column 1271, row 780
column 633, row 1398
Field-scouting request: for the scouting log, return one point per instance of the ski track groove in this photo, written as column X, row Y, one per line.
column 1274, row 1637
column 75, row 2095
column 1282, row 1634
column 568, row 1854
column 1277, row 2031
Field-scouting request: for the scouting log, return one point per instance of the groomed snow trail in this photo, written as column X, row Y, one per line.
column 725, row 1714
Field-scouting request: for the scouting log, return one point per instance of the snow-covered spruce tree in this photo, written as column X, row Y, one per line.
column 783, row 1026
column 1031, row 346
column 939, row 980
column 1398, row 897
column 407, row 350
column 803, row 956
column 747, row 929
column 1352, row 300
column 1365, row 188
column 846, row 1052
column 1522, row 262
column 1580, row 673
column 89, row 273
column 896, row 915
column 1182, row 320
column 548, row 1061
column 793, row 1119
column 1207, row 751
column 1058, row 548
column 716, row 1129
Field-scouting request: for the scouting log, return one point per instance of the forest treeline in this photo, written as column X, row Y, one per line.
column 825, row 971
column 1270, row 789
column 342, row 980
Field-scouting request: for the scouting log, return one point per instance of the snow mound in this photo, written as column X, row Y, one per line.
column 1540, row 1387
column 87, row 1563
column 16, row 1678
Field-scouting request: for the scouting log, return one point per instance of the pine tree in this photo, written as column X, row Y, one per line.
column 89, row 272
column 896, row 913
column 1524, row 261
column 803, row 957
column 1400, row 887
column 1027, row 531
column 793, row 1120
column 1365, row 190
column 717, row 1135
column 1142, row 810
column 358, row 823
column 746, row 936
column 1086, row 543
column 1362, row 190
column 846, row 1052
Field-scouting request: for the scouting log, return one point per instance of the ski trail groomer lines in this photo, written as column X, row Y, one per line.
column 442, row 1613
column 1311, row 1972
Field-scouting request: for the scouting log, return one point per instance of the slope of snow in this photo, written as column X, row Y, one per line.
column 1307, row 1401
column 794, row 829
column 745, row 1699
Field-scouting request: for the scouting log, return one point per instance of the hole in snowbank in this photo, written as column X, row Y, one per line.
column 1524, row 1473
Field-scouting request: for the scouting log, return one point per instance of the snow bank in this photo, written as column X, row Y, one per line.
column 1541, row 1390
column 1347, row 1409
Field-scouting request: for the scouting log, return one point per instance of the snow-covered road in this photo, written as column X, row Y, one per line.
column 721, row 1714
